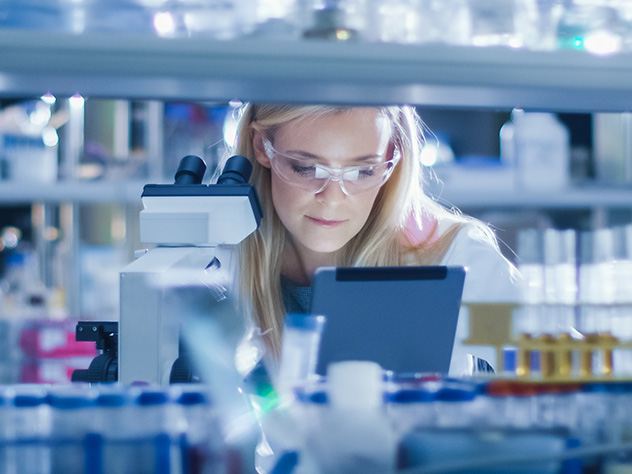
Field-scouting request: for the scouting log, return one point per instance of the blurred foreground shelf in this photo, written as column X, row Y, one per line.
column 138, row 66
column 75, row 191
column 586, row 197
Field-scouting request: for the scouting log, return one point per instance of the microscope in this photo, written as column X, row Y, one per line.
column 193, row 227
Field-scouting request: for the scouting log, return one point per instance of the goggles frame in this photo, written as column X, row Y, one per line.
column 352, row 175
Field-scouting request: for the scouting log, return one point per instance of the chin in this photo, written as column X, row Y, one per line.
column 321, row 247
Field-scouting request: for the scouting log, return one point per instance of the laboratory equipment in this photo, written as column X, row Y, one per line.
column 193, row 226
column 104, row 367
column 189, row 222
column 574, row 320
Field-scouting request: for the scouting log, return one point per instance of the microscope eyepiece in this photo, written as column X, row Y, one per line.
column 236, row 171
column 191, row 170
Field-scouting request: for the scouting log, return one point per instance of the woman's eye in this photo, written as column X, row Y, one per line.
column 367, row 172
column 303, row 170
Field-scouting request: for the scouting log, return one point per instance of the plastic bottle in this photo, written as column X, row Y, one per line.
column 354, row 434
column 116, row 423
column 24, row 293
column 531, row 266
column 593, row 404
column 511, row 404
column 560, row 279
column 411, row 409
column 72, row 411
column 507, row 136
column 619, row 428
column 542, row 152
column 24, row 431
column 159, row 424
column 204, row 444
column 299, row 354
column 621, row 319
column 457, row 406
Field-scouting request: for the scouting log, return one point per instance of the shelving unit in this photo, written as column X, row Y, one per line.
column 74, row 191
column 140, row 67
column 585, row 197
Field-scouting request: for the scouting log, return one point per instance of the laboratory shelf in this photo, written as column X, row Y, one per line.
column 258, row 69
column 71, row 191
column 585, row 197
column 578, row 197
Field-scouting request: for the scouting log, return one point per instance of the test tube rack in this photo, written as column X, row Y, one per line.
column 562, row 357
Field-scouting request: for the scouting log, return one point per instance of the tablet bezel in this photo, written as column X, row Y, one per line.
column 403, row 318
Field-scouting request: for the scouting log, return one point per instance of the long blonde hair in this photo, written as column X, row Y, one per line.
column 381, row 242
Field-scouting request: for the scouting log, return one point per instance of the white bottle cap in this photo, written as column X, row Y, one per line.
column 355, row 385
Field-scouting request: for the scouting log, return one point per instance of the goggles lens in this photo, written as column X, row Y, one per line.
column 314, row 177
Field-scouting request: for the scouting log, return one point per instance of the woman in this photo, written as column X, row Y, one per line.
column 342, row 186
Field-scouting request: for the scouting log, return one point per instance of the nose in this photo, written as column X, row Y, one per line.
column 333, row 191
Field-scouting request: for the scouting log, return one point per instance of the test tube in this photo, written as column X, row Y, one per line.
column 621, row 323
column 560, row 279
column 299, row 352
column 531, row 266
column 596, row 280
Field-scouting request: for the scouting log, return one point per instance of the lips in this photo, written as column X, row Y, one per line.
column 324, row 222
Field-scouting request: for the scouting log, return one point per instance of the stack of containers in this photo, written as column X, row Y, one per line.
column 499, row 425
column 109, row 430
column 549, row 266
column 576, row 295
column 115, row 415
column 50, row 351
column 621, row 325
column 605, row 276
column 72, row 413
column 25, row 427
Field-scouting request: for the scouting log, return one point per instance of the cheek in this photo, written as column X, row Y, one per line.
column 286, row 198
column 364, row 204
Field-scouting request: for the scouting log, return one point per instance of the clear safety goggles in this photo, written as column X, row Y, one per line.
column 314, row 177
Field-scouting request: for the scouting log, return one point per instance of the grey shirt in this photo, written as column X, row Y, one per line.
column 297, row 299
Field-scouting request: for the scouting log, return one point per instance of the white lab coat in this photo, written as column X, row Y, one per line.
column 490, row 277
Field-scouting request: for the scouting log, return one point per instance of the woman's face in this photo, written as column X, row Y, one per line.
column 324, row 222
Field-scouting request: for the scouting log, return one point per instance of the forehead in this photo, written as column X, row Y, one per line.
column 358, row 130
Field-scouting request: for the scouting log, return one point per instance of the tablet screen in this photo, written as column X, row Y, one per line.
column 403, row 318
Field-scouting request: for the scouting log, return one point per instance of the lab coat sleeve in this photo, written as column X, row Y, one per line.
column 490, row 277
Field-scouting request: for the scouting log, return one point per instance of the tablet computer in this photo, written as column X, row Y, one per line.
column 403, row 318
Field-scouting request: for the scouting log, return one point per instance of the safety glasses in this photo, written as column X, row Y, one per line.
column 314, row 177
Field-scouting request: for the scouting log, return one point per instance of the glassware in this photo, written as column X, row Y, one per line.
column 591, row 27
column 301, row 341
column 217, row 19
column 501, row 22
column 542, row 152
column 399, row 21
column 445, row 21
column 338, row 20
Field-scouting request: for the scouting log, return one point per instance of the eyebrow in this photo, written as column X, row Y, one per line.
column 311, row 156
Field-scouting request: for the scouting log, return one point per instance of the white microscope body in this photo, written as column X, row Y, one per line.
column 191, row 223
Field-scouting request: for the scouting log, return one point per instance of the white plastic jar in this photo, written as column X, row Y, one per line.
column 542, row 152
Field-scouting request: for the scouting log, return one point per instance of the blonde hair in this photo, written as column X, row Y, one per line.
column 381, row 242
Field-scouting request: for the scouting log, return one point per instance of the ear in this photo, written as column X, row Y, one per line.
column 257, row 144
column 390, row 151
